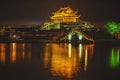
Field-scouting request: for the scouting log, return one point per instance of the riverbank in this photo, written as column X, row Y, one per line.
column 99, row 42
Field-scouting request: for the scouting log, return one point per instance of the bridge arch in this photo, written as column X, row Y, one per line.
column 71, row 34
column 80, row 35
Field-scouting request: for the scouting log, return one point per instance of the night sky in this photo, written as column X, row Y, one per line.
column 36, row 11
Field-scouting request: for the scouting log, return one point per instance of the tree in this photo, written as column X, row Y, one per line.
column 112, row 27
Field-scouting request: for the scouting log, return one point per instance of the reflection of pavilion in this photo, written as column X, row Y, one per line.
column 65, row 60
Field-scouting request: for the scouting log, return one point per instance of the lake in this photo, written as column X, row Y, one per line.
column 59, row 61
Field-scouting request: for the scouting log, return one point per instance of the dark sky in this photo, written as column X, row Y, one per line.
column 35, row 11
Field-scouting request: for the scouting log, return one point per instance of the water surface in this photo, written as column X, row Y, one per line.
column 53, row 61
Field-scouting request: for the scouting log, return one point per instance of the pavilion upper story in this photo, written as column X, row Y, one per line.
column 64, row 15
column 65, row 18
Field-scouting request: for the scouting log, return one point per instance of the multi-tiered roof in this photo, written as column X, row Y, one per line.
column 64, row 15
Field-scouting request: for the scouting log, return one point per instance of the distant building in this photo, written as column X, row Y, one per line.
column 66, row 18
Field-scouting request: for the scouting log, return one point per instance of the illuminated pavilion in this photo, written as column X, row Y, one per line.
column 64, row 15
column 65, row 18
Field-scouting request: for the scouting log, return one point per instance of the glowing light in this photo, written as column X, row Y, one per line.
column 69, row 37
column 114, row 58
column 80, row 37
column 74, row 33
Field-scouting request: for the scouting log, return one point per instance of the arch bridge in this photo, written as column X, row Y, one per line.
column 80, row 35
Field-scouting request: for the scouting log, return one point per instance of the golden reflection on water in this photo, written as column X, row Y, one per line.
column 86, row 59
column 23, row 52
column 80, row 50
column 18, row 52
column 65, row 60
column 69, row 50
column 2, row 53
column 15, row 52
